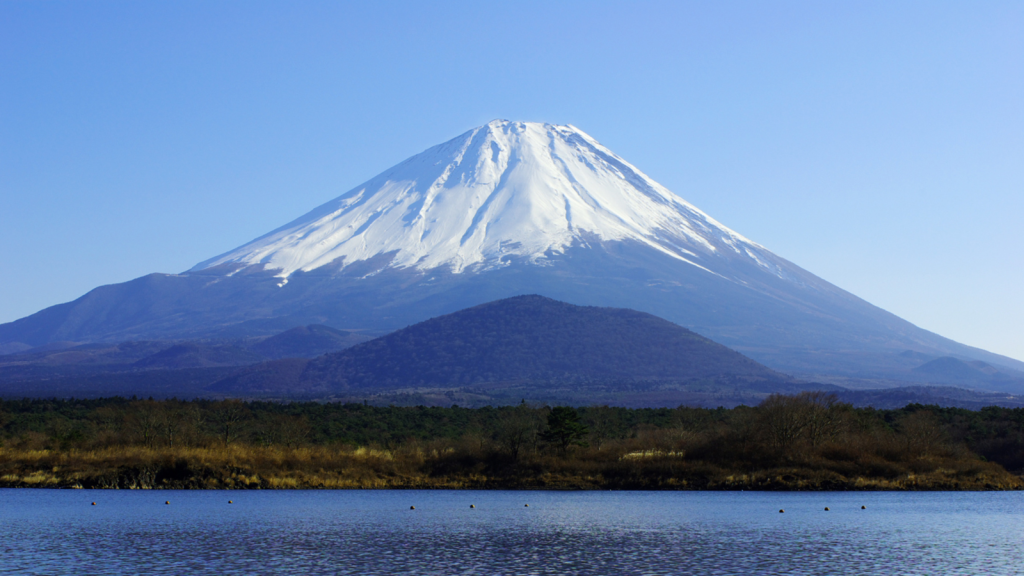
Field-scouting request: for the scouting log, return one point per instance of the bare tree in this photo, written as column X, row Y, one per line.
column 919, row 433
column 170, row 423
column 783, row 419
column 292, row 430
column 193, row 423
column 600, row 420
column 517, row 430
column 814, row 417
column 229, row 418
column 826, row 416
column 143, row 418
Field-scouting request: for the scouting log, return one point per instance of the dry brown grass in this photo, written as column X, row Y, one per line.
column 834, row 448
column 624, row 466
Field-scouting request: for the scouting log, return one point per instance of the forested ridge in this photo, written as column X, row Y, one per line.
column 807, row 441
column 526, row 339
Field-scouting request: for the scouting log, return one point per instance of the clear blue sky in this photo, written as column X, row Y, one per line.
column 879, row 145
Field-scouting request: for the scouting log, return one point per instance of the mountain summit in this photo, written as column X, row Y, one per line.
column 501, row 191
column 507, row 209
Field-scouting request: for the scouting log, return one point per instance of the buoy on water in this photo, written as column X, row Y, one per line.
column 826, row 508
column 863, row 507
column 168, row 502
column 472, row 506
column 231, row 501
column 412, row 507
column 93, row 503
column 782, row 511
column 526, row 506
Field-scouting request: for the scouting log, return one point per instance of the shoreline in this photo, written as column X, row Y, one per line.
column 235, row 477
column 808, row 442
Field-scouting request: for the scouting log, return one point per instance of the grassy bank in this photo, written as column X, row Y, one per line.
column 276, row 468
column 806, row 442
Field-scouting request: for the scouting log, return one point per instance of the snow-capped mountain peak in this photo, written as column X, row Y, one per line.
column 502, row 190
column 511, row 208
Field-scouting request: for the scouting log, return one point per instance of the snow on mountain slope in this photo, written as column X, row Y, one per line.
column 506, row 209
column 506, row 189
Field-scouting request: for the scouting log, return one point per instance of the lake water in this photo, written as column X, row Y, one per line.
column 614, row 533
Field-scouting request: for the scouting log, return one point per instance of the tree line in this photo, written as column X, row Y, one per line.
column 809, row 440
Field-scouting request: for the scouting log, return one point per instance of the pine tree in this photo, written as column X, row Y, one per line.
column 565, row 429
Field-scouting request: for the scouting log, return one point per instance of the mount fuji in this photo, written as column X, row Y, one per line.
column 500, row 192
column 506, row 209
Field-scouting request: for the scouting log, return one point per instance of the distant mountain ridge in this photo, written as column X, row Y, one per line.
column 146, row 357
column 506, row 209
column 526, row 347
column 526, row 341
column 306, row 342
column 973, row 374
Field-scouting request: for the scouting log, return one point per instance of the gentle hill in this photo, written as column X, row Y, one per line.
column 13, row 348
column 79, row 360
column 199, row 355
column 915, row 355
column 307, row 342
column 121, row 353
column 972, row 374
column 525, row 339
column 946, row 396
column 70, row 358
column 984, row 367
column 949, row 369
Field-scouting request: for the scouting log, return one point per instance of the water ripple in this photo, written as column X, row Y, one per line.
column 560, row 533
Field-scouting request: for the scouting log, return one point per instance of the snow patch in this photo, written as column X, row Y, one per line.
column 506, row 189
